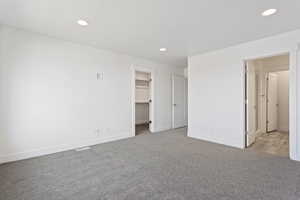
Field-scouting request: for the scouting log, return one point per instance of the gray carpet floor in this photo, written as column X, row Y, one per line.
column 167, row 166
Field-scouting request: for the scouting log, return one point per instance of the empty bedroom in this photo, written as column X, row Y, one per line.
column 149, row 100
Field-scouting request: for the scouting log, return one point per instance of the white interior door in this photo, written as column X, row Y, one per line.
column 272, row 102
column 178, row 89
column 251, row 107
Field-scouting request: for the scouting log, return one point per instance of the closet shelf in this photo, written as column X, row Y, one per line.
column 141, row 87
column 141, row 79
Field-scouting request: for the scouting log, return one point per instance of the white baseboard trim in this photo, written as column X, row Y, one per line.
column 59, row 148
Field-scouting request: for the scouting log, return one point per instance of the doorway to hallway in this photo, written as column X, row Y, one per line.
column 267, row 105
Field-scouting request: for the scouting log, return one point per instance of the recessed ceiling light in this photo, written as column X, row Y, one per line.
column 163, row 49
column 82, row 22
column 269, row 12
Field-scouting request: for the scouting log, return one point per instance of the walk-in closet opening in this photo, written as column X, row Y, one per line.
column 143, row 102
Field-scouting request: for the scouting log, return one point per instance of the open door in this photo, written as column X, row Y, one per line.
column 178, row 90
column 272, row 102
column 251, row 107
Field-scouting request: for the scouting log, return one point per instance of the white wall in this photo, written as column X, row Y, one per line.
column 51, row 101
column 283, row 101
column 216, row 90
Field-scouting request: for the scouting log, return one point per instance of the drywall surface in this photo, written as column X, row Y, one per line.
column 216, row 90
column 283, row 101
column 52, row 98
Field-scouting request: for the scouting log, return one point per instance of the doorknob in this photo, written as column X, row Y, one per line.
column 174, row 104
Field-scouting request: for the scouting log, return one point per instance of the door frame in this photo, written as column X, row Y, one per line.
column 246, row 99
column 293, row 65
column 173, row 99
column 135, row 68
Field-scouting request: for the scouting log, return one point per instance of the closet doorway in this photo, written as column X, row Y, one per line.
column 143, row 102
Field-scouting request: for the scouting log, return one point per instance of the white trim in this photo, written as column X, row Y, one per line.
column 245, row 102
column 173, row 112
column 133, row 101
column 135, row 68
column 293, row 65
column 293, row 134
column 60, row 148
column 293, row 129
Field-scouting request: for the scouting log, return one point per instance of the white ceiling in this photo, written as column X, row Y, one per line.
column 141, row 27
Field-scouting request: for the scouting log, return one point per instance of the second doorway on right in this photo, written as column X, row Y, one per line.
column 267, row 108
